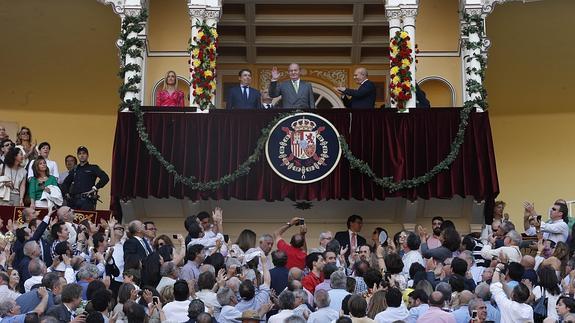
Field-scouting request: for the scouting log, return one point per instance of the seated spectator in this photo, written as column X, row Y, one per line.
column 376, row 304
column 296, row 249
column 5, row 292
column 556, row 229
column 323, row 312
column 478, row 309
column 395, row 311
column 177, row 310
column 10, row 311
column 37, row 270
column 194, row 259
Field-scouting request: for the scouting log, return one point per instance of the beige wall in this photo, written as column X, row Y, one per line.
column 530, row 84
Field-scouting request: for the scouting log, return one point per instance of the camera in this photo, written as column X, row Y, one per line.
column 175, row 236
column 301, row 222
column 155, row 300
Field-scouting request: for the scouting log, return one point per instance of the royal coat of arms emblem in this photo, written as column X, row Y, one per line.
column 303, row 148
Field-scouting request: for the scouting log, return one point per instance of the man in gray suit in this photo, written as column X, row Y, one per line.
column 295, row 93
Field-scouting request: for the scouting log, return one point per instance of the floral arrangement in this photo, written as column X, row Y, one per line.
column 203, row 53
column 401, row 87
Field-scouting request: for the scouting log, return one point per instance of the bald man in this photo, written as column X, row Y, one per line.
column 361, row 98
column 435, row 314
column 462, row 313
column 295, row 93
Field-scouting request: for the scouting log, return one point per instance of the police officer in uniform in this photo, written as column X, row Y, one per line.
column 80, row 187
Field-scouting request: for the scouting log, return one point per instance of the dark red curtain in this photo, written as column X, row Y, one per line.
column 209, row 146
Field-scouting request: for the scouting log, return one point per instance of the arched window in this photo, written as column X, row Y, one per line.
column 438, row 91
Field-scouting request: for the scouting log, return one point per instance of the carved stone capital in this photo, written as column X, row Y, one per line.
column 212, row 14
column 408, row 12
column 393, row 14
column 197, row 13
column 474, row 11
column 132, row 12
column 117, row 5
column 489, row 5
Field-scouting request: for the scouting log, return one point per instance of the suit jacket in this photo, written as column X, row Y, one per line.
column 303, row 99
column 18, row 247
column 28, row 301
column 133, row 247
column 61, row 313
column 343, row 238
column 362, row 98
column 24, row 272
column 236, row 99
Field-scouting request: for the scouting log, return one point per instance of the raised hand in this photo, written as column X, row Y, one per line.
column 217, row 214
column 275, row 74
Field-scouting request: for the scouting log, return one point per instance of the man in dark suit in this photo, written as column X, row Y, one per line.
column 295, row 93
column 364, row 96
column 267, row 102
column 71, row 299
column 244, row 96
column 279, row 273
column 30, row 300
column 136, row 245
column 351, row 238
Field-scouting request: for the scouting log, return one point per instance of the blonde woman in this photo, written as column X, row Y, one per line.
column 170, row 96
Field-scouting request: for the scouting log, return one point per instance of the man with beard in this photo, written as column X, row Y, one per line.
column 433, row 241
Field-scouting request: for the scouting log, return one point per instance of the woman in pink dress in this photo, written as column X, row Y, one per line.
column 170, row 96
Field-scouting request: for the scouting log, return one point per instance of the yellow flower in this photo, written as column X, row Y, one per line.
column 212, row 46
column 396, row 79
column 199, row 90
column 407, row 83
column 393, row 47
column 394, row 52
column 200, row 34
column 213, row 84
column 394, row 70
column 405, row 62
column 403, row 34
column 196, row 52
column 208, row 73
column 196, row 63
column 395, row 91
column 213, row 64
column 408, row 44
column 214, row 32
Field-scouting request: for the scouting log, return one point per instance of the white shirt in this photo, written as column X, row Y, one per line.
column 322, row 315
column 511, row 312
column 118, row 256
column 416, row 312
column 165, row 281
column 551, row 301
column 6, row 294
column 52, row 167
column 210, row 299
column 512, row 252
column 409, row 258
column 392, row 314
column 555, row 231
column 34, row 280
column 476, row 273
column 228, row 314
column 281, row 316
column 177, row 311
column 63, row 176
column 210, row 243
column 336, row 296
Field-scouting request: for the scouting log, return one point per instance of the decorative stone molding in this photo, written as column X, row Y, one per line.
column 132, row 12
column 408, row 12
column 117, row 5
column 336, row 77
column 266, row 77
column 197, row 13
column 392, row 14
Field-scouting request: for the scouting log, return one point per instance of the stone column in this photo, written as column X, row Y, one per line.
column 199, row 14
column 393, row 15
column 470, row 61
column 133, row 11
column 408, row 15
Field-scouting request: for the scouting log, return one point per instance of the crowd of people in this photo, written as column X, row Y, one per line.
column 28, row 177
column 53, row 269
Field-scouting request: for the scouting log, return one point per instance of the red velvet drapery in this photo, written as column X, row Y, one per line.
column 208, row 146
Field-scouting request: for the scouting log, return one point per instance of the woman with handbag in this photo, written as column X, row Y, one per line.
column 546, row 295
column 13, row 178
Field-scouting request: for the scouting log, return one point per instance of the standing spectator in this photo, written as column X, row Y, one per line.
column 515, row 309
column 314, row 263
column 395, row 311
column 279, row 274
column 358, row 309
column 30, row 300
column 417, row 305
column 477, row 305
column 194, row 259
column 178, row 309
column 328, row 269
column 5, row 292
column 83, row 194
column 324, row 238
column 411, row 253
column 70, row 162
column 266, row 244
column 250, row 299
column 482, row 292
column 462, row 313
column 5, row 146
column 286, row 304
column 556, row 229
column 323, row 313
column 510, row 247
column 549, row 289
column 13, row 178
column 150, row 230
column 338, row 290
column 71, row 299
column 435, row 314
column 296, row 249
column 433, row 241
column 40, row 178
column 169, row 95
column 3, row 134
column 24, row 140
column 350, row 240
column 44, row 149
column 243, row 96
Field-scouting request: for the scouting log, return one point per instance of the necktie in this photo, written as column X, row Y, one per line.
column 268, row 106
column 148, row 248
column 295, row 86
column 353, row 241
column 245, row 92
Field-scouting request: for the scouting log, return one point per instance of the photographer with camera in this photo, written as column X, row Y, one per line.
column 296, row 250
column 515, row 309
column 80, row 187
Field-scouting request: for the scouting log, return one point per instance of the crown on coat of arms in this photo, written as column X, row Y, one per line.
column 303, row 125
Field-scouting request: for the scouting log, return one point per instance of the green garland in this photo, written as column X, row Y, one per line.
column 474, row 24
column 132, row 47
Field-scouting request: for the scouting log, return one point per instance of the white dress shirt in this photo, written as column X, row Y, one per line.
column 177, row 311
column 52, row 167
column 281, row 316
column 392, row 314
column 555, row 231
column 34, row 280
column 511, row 312
column 409, row 258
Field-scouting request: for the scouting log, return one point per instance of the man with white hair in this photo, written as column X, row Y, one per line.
column 266, row 245
column 476, row 271
column 338, row 291
column 324, row 313
column 37, row 270
column 510, row 248
column 324, row 238
column 364, row 96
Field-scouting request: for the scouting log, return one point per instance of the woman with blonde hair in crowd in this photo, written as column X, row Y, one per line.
column 170, row 96
column 376, row 304
column 13, row 178
column 24, row 139
column 39, row 183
